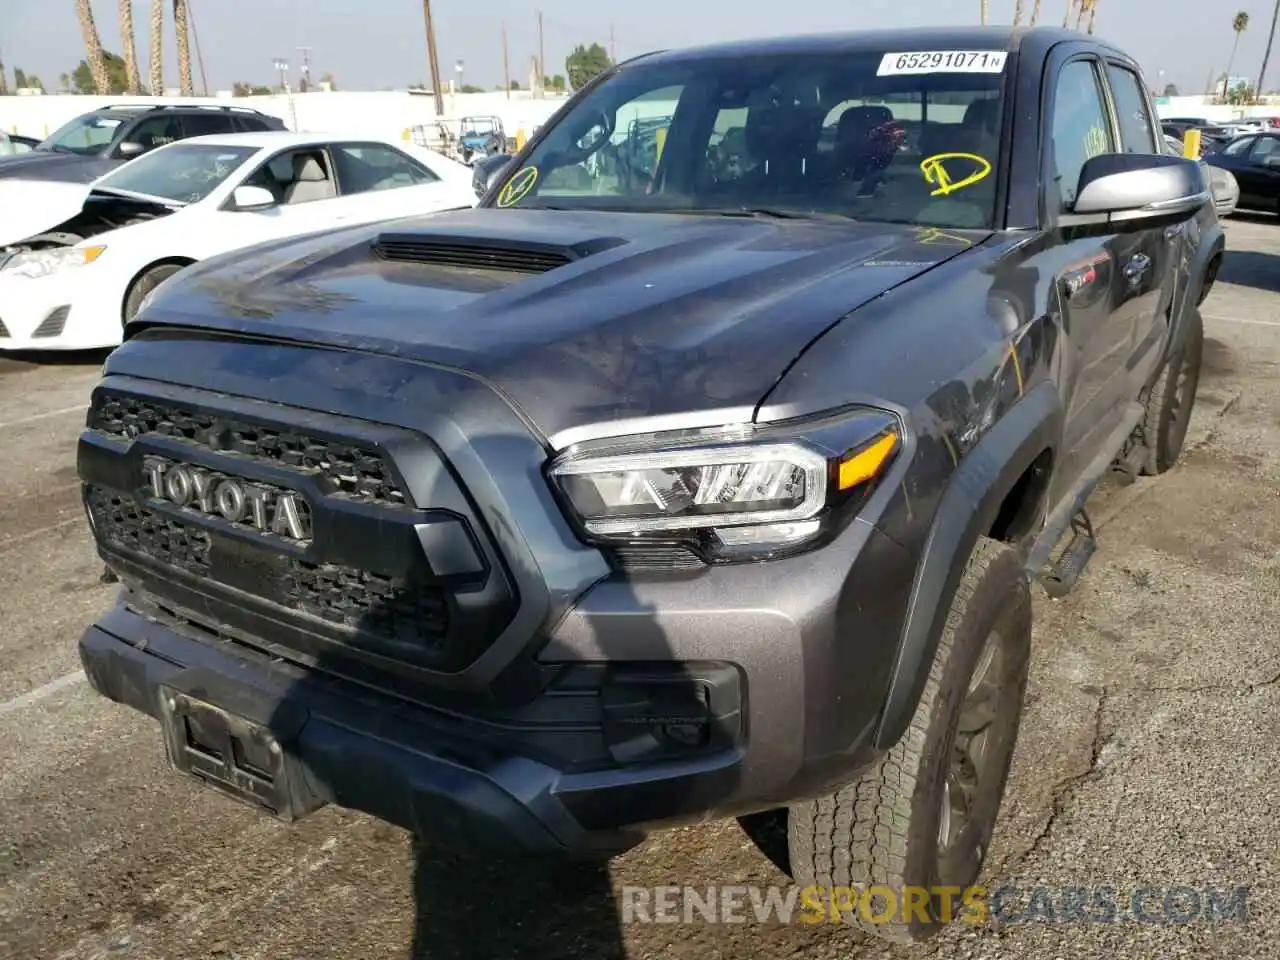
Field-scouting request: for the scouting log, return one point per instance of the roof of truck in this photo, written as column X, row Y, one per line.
column 870, row 41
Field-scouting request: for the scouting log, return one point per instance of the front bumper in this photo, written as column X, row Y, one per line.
column 66, row 310
column 553, row 733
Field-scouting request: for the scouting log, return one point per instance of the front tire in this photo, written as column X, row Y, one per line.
column 147, row 281
column 923, row 816
column 1169, row 406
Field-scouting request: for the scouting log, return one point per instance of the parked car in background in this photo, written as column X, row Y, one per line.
column 12, row 144
column 1254, row 161
column 1226, row 192
column 103, row 248
column 95, row 143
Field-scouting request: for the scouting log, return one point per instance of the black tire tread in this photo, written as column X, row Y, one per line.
column 860, row 835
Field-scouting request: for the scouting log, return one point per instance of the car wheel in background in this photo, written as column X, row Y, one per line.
column 147, row 281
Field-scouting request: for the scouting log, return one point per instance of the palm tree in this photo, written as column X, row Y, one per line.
column 125, row 8
column 1259, row 90
column 1239, row 23
column 1017, row 12
column 983, row 12
column 4, row 81
column 181, row 28
column 156, row 60
column 1035, row 13
column 93, row 47
column 1093, row 14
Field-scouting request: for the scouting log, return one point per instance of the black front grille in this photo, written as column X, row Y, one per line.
column 51, row 326
column 351, row 471
column 125, row 525
column 358, row 601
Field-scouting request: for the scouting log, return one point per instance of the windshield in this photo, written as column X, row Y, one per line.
column 182, row 172
column 895, row 136
column 87, row 135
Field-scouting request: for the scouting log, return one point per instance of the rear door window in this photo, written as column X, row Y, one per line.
column 202, row 124
column 1137, row 131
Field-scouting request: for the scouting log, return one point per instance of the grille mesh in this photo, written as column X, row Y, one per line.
column 352, row 471
column 357, row 600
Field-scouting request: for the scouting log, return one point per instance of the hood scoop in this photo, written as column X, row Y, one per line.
column 469, row 252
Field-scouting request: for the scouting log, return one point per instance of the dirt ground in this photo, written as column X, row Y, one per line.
column 1148, row 756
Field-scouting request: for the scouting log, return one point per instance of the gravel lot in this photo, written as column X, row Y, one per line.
column 1147, row 758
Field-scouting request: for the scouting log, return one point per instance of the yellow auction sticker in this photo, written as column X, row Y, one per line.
column 935, row 172
column 518, row 187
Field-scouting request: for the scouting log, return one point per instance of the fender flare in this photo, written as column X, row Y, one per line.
column 968, row 509
column 1195, row 291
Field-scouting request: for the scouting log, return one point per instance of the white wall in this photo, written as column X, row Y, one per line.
column 1199, row 107
column 369, row 114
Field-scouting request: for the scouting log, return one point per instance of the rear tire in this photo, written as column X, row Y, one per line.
column 1168, row 408
column 924, row 815
column 144, row 284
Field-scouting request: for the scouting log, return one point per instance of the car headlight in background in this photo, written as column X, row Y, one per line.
column 736, row 494
column 41, row 263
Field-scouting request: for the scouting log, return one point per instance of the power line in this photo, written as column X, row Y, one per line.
column 195, row 39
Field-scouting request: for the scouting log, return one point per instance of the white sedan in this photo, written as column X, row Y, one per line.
column 77, row 261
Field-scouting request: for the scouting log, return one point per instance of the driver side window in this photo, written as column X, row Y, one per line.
column 1081, row 127
column 626, row 163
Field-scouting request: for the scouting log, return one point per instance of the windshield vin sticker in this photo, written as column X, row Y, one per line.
column 942, row 61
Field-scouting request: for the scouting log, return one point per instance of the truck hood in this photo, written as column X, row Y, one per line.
column 576, row 317
column 47, row 165
column 32, row 207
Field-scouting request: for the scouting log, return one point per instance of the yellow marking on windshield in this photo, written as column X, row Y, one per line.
column 935, row 172
column 518, row 187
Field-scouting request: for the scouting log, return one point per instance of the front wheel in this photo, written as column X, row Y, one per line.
column 922, row 818
column 144, row 284
column 1168, row 408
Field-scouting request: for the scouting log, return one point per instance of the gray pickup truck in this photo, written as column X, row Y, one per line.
column 703, row 481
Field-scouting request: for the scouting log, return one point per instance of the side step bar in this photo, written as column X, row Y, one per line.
column 1058, row 578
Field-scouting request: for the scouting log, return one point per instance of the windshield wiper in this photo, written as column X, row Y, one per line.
column 767, row 213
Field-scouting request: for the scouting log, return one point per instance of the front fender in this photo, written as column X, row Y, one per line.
column 1202, row 271
column 967, row 511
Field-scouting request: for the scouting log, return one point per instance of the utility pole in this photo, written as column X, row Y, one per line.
column 613, row 47
column 1259, row 91
column 431, row 56
column 506, row 66
column 542, row 59
column 305, row 83
column 195, row 38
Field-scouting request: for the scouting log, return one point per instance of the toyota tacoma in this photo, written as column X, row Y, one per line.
column 706, row 476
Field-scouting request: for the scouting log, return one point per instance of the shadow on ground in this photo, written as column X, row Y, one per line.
column 1250, row 268
column 17, row 360
column 537, row 908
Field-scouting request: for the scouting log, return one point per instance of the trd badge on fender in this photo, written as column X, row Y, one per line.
column 255, row 505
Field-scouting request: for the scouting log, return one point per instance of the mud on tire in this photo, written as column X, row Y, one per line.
column 889, row 828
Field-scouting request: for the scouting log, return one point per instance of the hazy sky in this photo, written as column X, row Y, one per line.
column 370, row 44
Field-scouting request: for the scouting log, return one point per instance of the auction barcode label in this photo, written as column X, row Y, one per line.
column 943, row 61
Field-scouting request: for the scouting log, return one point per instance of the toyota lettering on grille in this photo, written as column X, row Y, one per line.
column 260, row 506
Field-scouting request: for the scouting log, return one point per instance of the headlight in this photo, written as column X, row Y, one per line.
column 736, row 493
column 41, row 263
